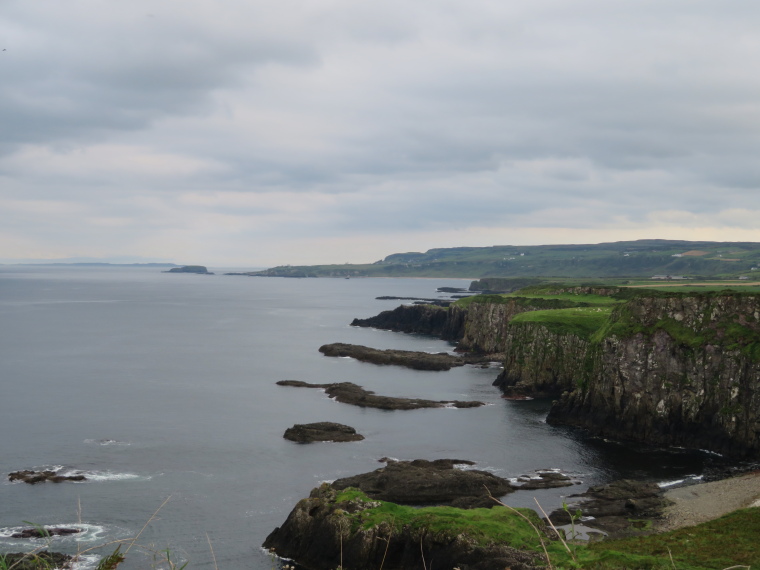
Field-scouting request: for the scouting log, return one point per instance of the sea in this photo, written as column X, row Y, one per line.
column 161, row 389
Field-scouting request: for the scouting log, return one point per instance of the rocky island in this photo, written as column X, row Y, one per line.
column 199, row 269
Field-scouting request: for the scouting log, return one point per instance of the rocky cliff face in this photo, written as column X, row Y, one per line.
column 540, row 363
column 678, row 370
column 665, row 369
column 421, row 319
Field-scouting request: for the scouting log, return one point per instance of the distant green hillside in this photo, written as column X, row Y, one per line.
column 628, row 259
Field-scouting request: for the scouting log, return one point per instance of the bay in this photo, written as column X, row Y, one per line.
column 162, row 386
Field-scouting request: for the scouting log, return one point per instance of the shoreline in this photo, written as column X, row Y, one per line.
column 702, row 502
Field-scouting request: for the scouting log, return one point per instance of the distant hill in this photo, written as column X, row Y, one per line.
column 625, row 259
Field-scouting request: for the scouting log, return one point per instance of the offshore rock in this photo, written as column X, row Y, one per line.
column 321, row 533
column 322, row 431
column 422, row 482
column 44, row 532
column 350, row 393
column 408, row 358
column 33, row 477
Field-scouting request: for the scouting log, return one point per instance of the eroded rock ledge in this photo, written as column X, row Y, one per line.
column 350, row 393
column 408, row 358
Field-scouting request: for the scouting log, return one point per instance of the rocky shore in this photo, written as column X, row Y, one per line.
column 350, row 393
column 694, row 504
column 410, row 359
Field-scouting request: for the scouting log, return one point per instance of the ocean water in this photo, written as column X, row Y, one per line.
column 160, row 388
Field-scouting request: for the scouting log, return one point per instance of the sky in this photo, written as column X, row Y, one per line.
column 262, row 133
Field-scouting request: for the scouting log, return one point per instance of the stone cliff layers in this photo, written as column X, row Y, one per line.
column 658, row 368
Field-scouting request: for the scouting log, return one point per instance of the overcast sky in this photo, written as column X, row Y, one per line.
column 258, row 133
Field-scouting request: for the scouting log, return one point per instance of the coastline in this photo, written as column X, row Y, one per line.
column 694, row 504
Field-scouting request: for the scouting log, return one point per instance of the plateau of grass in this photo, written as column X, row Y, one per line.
column 725, row 542
column 582, row 322
column 483, row 526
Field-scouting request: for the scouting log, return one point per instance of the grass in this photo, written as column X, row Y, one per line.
column 725, row 542
column 582, row 322
column 728, row 541
column 483, row 526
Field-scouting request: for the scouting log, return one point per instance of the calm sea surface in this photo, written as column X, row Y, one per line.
column 160, row 385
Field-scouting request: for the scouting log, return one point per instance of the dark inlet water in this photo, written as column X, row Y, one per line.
column 163, row 385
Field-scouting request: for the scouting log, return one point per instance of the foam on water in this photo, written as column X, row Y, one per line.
column 103, row 475
column 89, row 533
column 109, row 442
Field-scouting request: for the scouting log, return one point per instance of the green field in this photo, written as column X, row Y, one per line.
column 728, row 541
column 640, row 259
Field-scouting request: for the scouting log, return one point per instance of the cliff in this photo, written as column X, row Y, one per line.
column 540, row 363
column 421, row 319
column 673, row 370
column 659, row 368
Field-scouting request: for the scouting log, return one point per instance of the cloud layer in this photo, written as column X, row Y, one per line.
column 258, row 133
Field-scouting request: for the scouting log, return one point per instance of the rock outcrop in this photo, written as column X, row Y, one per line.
column 620, row 508
column 45, row 532
column 34, row 477
column 330, row 529
column 410, row 359
column 421, row 319
column 321, row 431
column 422, row 482
column 350, row 393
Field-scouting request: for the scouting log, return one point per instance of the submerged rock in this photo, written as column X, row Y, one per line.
column 349, row 393
column 422, row 482
column 33, row 477
column 321, row 431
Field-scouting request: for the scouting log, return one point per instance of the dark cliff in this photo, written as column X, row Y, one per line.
column 673, row 370
column 659, row 368
column 421, row 319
